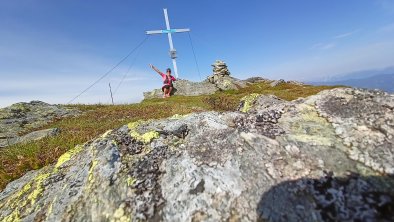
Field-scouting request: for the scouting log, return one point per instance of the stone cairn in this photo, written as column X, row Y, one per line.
column 219, row 70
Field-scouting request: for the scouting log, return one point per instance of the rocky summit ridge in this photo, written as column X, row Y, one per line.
column 219, row 80
column 327, row 157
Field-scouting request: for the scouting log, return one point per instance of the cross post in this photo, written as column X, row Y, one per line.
column 169, row 31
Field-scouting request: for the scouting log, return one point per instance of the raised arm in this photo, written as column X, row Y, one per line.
column 154, row 68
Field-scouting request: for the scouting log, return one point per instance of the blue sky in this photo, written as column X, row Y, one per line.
column 52, row 50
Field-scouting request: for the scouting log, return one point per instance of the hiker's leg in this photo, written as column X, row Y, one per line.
column 165, row 92
column 169, row 91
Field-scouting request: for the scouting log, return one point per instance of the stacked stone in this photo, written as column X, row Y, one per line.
column 220, row 68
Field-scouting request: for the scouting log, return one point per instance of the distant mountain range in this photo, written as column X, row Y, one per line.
column 371, row 79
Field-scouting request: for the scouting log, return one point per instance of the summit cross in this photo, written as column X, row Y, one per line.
column 169, row 31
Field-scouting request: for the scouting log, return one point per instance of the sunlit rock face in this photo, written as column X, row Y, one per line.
column 328, row 157
column 185, row 88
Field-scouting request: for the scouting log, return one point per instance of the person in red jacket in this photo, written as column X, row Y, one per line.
column 167, row 81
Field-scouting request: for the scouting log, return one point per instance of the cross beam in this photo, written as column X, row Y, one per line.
column 168, row 31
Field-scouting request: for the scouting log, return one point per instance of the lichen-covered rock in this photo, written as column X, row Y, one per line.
column 247, row 102
column 228, row 82
column 256, row 80
column 21, row 117
column 295, row 83
column 277, row 82
column 279, row 161
column 365, row 121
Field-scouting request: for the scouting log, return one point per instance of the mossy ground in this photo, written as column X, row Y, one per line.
column 97, row 119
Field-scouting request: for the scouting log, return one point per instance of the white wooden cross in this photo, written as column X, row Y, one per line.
column 169, row 31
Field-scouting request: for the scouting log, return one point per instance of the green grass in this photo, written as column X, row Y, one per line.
column 18, row 159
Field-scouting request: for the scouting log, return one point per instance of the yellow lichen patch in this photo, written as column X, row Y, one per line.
column 309, row 127
column 38, row 190
column 120, row 215
column 146, row 137
column 226, row 83
column 310, row 114
column 178, row 116
column 94, row 164
column 23, row 198
column 13, row 217
column 125, row 219
column 134, row 125
column 20, row 106
column 248, row 101
column 149, row 136
column 114, row 142
column 25, row 188
column 67, row 156
column 130, row 181
column 18, row 195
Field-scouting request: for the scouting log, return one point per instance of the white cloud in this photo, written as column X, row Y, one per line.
column 345, row 35
column 324, row 46
column 330, row 45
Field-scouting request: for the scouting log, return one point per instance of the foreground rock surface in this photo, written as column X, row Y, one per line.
column 328, row 157
column 21, row 117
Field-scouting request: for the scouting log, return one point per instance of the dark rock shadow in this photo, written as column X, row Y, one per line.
column 173, row 91
column 329, row 198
